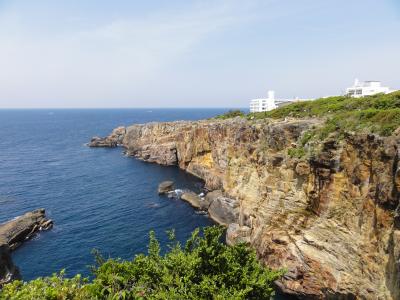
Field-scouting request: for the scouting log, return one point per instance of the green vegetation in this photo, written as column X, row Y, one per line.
column 296, row 152
column 204, row 268
column 231, row 114
column 377, row 114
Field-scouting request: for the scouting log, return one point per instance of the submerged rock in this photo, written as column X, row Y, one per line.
column 165, row 187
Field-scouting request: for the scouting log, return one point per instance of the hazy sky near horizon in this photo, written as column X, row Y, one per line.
column 123, row 53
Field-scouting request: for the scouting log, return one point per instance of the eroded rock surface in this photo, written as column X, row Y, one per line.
column 12, row 234
column 111, row 141
column 165, row 187
column 8, row 271
column 332, row 220
column 193, row 199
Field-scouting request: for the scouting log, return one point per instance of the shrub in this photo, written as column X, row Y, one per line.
column 231, row 114
column 377, row 114
column 204, row 268
column 296, row 152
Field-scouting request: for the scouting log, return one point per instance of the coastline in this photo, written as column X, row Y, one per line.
column 288, row 206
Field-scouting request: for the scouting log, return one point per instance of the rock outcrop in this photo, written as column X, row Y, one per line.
column 193, row 199
column 332, row 220
column 12, row 234
column 165, row 187
column 8, row 271
column 111, row 141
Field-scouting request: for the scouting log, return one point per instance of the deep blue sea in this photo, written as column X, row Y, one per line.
column 98, row 198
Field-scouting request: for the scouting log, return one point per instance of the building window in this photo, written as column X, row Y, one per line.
column 358, row 92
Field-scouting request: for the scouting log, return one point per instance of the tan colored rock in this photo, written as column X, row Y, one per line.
column 237, row 234
column 330, row 221
column 192, row 198
column 302, row 168
column 165, row 187
column 111, row 141
column 211, row 196
column 224, row 210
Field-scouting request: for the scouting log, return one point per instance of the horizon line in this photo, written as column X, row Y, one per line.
column 76, row 108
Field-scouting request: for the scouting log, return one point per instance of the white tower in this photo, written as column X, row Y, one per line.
column 271, row 95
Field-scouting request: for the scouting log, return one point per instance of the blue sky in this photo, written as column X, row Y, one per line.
column 191, row 53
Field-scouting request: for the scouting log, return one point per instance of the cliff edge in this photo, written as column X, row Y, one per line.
column 331, row 219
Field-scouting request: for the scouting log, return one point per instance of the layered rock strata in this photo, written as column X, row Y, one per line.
column 12, row 234
column 332, row 220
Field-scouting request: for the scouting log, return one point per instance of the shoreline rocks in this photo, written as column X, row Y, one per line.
column 113, row 140
column 222, row 210
column 192, row 198
column 15, row 232
column 165, row 187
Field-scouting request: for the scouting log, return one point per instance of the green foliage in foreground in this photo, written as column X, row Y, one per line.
column 377, row 114
column 204, row 268
column 231, row 114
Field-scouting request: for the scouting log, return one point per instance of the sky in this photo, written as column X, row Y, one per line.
column 126, row 53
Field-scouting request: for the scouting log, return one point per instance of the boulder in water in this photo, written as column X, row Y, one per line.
column 165, row 187
column 192, row 198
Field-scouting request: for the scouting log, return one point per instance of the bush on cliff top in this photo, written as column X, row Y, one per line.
column 204, row 268
column 377, row 114
column 231, row 114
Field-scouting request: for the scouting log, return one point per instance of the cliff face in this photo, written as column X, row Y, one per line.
column 13, row 234
column 331, row 220
column 8, row 271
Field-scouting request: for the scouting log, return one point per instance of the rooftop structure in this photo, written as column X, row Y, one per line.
column 367, row 88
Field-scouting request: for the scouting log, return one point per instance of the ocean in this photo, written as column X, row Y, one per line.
column 97, row 198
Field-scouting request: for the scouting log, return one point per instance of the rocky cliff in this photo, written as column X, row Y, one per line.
column 13, row 234
column 332, row 219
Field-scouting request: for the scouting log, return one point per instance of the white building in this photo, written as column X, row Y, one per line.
column 367, row 88
column 267, row 104
column 270, row 103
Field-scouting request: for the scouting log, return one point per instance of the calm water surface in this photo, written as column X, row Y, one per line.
column 97, row 197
